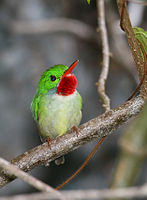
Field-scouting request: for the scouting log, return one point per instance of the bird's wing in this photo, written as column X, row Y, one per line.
column 35, row 105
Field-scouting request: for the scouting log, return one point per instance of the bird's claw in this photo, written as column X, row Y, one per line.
column 48, row 141
column 76, row 130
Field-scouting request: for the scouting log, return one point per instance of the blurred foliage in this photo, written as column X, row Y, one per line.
column 133, row 152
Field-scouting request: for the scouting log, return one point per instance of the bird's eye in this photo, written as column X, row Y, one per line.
column 53, row 78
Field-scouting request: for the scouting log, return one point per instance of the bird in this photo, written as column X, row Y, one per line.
column 57, row 105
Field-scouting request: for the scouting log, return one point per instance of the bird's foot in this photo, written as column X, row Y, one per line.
column 48, row 141
column 76, row 130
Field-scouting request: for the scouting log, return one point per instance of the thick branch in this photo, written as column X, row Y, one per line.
column 124, row 193
column 97, row 127
column 15, row 171
column 106, row 54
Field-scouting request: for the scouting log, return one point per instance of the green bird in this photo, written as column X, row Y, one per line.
column 57, row 104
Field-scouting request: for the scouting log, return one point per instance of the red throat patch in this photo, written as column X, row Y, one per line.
column 67, row 85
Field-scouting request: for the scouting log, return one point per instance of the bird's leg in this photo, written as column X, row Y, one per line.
column 48, row 141
column 76, row 130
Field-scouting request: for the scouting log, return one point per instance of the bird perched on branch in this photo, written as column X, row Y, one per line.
column 57, row 104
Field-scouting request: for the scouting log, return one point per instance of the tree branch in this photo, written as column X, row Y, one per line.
column 13, row 170
column 133, row 43
column 124, row 193
column 106, row 54
column 98, row 127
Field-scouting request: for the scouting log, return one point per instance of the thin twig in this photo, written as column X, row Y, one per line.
column 82, row 166
column 106, row 54
column 96, row 128
column 13, row 170
column 125, row 193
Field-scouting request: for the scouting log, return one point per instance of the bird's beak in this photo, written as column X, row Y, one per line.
column 70, row 69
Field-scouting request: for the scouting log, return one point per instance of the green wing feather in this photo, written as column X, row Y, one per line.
column 35, row 105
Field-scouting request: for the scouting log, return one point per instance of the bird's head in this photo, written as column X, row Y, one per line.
column 59, row 76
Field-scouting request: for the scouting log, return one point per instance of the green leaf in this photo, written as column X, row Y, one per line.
column 141, row 35
column 88, row 1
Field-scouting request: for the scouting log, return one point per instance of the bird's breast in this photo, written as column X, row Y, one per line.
column 57, row 114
